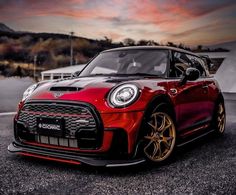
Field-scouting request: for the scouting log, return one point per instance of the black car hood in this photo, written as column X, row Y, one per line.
column 94, row 90
column 98, row 81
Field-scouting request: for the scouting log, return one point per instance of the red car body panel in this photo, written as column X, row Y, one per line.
column 94, row 93
column 193, row 103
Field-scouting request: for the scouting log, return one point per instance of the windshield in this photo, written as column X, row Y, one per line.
column 128, row 62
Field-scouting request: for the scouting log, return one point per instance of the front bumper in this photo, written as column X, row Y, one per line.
column 68, row 157
column 112, row 143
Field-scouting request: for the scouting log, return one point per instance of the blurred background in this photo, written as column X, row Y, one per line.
column 36, row 36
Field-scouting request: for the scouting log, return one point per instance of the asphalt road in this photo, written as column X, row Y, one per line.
column 207, row 166
column 11, row 90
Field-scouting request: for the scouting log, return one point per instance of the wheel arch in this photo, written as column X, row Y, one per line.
column 214, row 122
column 220, row 97
column 161, row 100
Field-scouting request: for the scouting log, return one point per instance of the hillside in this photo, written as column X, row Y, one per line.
column 4, row 28
column 50, row 50
column 19, row 50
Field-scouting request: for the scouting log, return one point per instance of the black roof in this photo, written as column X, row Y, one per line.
column 150, row 47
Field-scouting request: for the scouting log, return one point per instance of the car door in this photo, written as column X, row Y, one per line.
column 210, row 86
column 191, row 99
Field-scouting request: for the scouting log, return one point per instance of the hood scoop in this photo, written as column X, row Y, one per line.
column 65, row 88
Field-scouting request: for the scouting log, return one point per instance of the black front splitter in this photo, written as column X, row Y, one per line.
column 16, row 147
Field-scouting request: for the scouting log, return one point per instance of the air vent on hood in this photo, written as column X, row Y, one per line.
column 65, row 89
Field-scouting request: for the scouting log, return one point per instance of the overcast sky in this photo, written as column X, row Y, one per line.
column 188, row 22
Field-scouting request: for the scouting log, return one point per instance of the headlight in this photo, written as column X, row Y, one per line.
column 123, row 95
column 29, row 91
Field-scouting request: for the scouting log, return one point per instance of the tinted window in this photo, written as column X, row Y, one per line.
column 152, row 62
column 182, row 61
column 180, row 64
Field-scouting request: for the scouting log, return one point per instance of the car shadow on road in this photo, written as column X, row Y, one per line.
column 209, row 148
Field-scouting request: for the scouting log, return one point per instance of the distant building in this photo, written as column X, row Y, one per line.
column 217, row 59
column 225, row 75
column 68, row 71
column 61, row 72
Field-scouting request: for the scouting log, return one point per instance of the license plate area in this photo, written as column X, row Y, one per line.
column 50, row 126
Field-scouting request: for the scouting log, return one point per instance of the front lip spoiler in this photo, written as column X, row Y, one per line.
column 18, row 148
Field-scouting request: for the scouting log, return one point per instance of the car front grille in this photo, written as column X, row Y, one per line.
column 80, row 123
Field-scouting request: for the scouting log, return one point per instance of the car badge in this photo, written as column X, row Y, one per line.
column 57, row 95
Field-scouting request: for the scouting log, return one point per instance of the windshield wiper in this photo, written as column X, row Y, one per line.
column 124, row 75
column 110, row 74
column 144, row 74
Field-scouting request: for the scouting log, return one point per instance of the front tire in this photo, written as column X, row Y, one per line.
column 160, row 137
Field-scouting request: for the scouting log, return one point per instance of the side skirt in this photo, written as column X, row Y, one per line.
column 196, row 138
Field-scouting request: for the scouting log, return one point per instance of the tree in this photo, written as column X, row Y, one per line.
column 199, row 48
column 18, row 72
column 108, row 40
column 129, row 42
column 171, row 44
column 143, row 42
column 154, row 43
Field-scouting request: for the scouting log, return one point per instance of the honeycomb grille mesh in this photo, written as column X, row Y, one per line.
column 75, row 116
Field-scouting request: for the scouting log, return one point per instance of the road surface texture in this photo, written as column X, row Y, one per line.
column 11, row 90
column 207, row 166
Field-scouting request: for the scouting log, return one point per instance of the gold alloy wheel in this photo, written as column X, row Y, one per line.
column 161, row 138
column 221, row 118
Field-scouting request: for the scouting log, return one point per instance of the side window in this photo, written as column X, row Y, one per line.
column 204, row 64
column 180, row 64
column 182, row 61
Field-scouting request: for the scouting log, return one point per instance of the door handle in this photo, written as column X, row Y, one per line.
column 205, row 87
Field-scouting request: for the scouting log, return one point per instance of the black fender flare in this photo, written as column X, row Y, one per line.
column 159, row 100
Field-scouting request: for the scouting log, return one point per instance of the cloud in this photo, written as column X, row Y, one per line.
column 27, row 8
column 171, row 14
column 151, row 11
column 139, row 19
column 193, row 31
column 196, row 8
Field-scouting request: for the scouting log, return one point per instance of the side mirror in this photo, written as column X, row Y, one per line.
column 191, row 74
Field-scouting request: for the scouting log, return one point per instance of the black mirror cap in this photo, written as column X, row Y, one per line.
column 191, row 74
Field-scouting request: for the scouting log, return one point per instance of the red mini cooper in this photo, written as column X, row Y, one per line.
column 127, row 106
